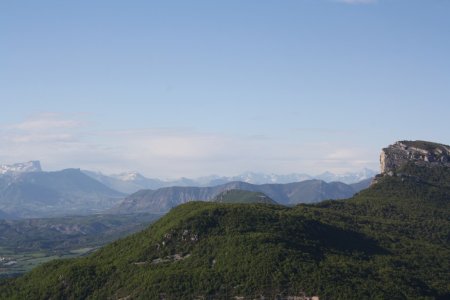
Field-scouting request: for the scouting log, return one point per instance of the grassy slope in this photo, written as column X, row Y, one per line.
column 390, row 241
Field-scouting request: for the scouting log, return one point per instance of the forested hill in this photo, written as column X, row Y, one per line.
column 391, row 241
column 241, row 196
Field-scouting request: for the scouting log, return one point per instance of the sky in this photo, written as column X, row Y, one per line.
column 193, row 88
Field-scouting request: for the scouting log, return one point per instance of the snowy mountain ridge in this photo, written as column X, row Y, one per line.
column 129, row 182
column 26, row 167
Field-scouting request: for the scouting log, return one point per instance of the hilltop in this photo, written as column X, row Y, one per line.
column 390, row 241
column 241, row 196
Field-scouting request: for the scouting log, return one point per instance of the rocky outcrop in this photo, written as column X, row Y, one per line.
column 419, row 152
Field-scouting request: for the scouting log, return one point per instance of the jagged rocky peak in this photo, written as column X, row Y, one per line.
column 26, row 167
column 419, row 152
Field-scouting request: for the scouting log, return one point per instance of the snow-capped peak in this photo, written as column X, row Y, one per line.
column 349, row 177
column 26, row 167
column 128, row 176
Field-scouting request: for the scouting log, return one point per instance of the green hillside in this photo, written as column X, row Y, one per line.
column 241, row 196
column 390, row 241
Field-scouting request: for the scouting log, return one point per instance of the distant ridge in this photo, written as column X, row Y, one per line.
column 41, row 194
column 309, row 191
column 126, row 183
column 130, row 182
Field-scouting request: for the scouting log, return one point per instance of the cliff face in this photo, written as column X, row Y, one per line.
column 420, row 152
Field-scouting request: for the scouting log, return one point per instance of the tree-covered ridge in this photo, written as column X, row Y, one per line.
column 389, row 241
column 241, row 196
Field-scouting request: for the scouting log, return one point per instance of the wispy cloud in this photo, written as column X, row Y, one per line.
column 62, row 141
column 45, row 127
column 46, row 121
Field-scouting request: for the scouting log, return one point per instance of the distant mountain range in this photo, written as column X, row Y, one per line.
column 308, row 191
column 42, row 194
column 131, row 182
column 126, row 182
column 26, row 191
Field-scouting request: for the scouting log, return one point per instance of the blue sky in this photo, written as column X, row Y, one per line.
column 191, row 88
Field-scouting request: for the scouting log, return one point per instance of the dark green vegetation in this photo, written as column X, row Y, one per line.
column 308, row 191
column 27, row 243
column 390, row 241
column 241, row 196
column 43, row 194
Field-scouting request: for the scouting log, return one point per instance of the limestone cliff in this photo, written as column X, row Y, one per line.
column 419, row 152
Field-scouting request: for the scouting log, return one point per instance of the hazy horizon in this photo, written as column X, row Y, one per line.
column 247, row 172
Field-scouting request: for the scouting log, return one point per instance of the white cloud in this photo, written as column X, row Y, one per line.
column 47, row 121
column 62, row 141
column 47, row 137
